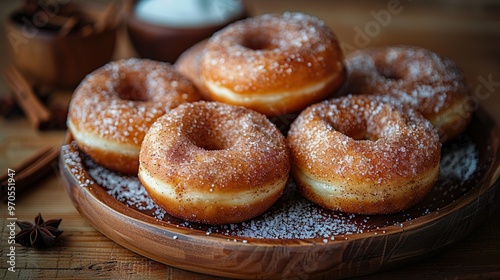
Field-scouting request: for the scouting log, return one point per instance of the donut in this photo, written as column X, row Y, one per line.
column 189, row 63
column 363, row 154
column 273, row 63
column 214, row 163
column 114, row 106
column 429, row 82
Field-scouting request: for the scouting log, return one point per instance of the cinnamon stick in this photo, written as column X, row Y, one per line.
column 34, row 110
column 29, row 171
column 68, row 25
column 107, row 17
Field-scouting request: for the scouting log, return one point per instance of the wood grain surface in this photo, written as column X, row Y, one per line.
column 466, row 31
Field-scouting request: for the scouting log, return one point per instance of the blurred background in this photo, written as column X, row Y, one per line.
column 467, row 31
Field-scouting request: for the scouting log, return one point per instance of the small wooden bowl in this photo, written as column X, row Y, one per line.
column 165, row 43
column 50, row 58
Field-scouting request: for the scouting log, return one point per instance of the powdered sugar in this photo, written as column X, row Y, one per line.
column 461, row 163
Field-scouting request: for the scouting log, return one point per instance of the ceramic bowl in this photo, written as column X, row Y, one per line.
column 53, row 58
column 166, row 43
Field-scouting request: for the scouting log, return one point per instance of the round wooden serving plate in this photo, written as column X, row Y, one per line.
column 338, row 245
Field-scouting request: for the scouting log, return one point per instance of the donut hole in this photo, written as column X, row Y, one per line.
column 210, row 144
column 365, row 136
column 210, row 138
column 361, row 134
column 364, row 123
column 357, row 131
column 389, row 73
column 132, row 90
column 257, row 42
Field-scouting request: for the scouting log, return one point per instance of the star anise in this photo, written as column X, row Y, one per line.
column 39, row 235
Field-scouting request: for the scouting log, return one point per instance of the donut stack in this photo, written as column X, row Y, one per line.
column 200, row 134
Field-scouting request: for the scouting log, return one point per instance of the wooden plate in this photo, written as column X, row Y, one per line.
column 281, row 244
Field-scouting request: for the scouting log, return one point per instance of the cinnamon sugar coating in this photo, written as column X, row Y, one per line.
column 114, row 106
column 214, row 163
column 363, row 154
column 427, row 81
column 273, row 63
column 189, row 64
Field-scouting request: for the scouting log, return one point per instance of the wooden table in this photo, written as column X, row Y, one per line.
column 466, row 31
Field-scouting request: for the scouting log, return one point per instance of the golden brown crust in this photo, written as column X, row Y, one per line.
column 214, row 163
column 274, row 64
column 212, row 210
column 127, row 164
column 361, row 154
column 189, row 63
column 113, row 107
column 432, row 84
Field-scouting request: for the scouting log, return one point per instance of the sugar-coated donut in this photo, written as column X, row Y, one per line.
column 273, row 63
column 360, row 154
column 431, row 83
column 189, row 63
column 114, row 106
column 214, row 163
